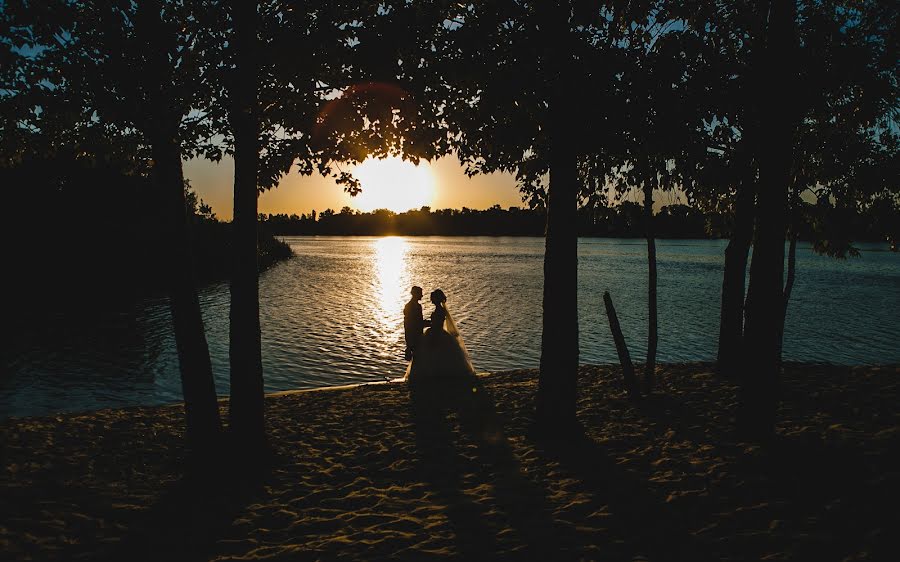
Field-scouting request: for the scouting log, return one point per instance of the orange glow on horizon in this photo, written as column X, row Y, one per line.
column 295, row 193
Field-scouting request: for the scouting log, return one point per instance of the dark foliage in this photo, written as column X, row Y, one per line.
column 91, row 234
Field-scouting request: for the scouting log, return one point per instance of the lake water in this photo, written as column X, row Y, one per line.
column 333, row 315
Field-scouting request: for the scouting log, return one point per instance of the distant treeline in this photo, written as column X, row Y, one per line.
column 624, row 220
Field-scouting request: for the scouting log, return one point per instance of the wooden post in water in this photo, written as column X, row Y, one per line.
column 631, row 384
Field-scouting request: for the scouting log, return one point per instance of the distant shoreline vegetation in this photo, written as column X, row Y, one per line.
column 211, row 242
column 625, row 220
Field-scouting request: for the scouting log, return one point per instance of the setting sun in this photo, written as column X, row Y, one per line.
column 393, row 183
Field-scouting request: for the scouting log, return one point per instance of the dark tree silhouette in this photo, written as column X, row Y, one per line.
column 500, row 118
column 838, row 126
column 652, row 308
column 272, row 109
column 731, row 320
column 98, row 75
column 764, row 312
column 846, row 95
column 559, row 336
column 729, row 181
column 246, row 407
column 847, row 139
column 161, row 122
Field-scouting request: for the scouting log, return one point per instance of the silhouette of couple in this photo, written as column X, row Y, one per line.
column 439, row 352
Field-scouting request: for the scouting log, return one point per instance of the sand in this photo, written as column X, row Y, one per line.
column 385, row 471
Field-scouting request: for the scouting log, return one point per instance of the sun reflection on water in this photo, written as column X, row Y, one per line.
column 392, row 274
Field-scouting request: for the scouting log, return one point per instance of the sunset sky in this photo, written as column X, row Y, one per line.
column 301, row 194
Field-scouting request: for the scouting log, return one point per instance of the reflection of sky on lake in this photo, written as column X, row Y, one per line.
column 333, row 315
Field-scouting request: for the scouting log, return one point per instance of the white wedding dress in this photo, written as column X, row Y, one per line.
column 441, row 353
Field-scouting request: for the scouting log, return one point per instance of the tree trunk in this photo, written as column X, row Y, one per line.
column 757, row 401
column 160, row 124
column 197, row 384
column 791, row 270
column 734, row 274
column 246, row 414
column 788, row 287
column 731, row 319
column 559, row 340
column 652, row 330
column 631, row 384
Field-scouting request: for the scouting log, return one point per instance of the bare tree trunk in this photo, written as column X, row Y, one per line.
column 631, row 384
column 247, row 416
column 758, row 396
column 197, row 384
column 731, row 320
column 788, row 287
column 792, row 269
column 652, row 329
column 559, row 340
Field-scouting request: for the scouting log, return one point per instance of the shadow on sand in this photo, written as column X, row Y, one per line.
column 481, row 454
column 195, row 513
column 640, row 525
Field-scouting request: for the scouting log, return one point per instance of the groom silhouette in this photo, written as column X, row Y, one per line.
column 413, row 322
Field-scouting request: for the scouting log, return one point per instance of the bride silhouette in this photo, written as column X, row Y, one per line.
column 441, row 352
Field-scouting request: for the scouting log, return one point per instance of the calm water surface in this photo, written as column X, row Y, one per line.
column 333, row 315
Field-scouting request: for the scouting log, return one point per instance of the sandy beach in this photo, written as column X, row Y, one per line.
column 386, row 471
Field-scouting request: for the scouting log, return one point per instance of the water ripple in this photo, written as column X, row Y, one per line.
column 333, row 315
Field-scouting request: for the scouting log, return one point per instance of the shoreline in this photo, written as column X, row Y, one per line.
column 709, row 365
column 378, row 471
